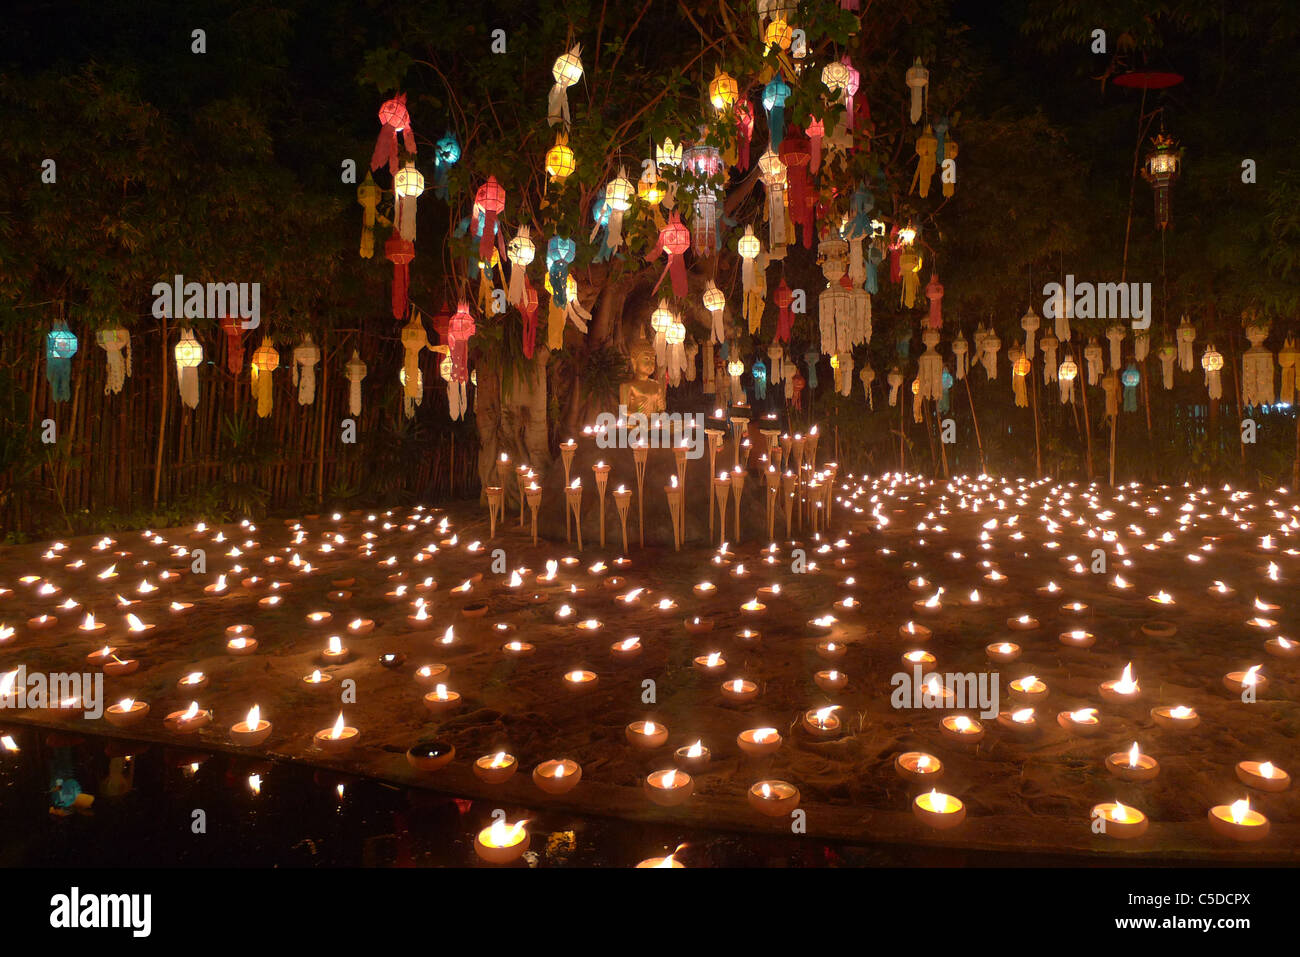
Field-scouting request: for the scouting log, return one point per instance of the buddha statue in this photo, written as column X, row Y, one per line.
column 643, row 394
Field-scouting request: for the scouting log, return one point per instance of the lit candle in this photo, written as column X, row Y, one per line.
column 580, row 680
column 822, row 722
column 937, row 810
column 518, row 649
column 127, row 713
column 958, row 727
column 495, row 768
column 1123, row 688
column 1028, row 690
column 1084, row 722
column 1132, row 765
column 918, row 766
column 1022, row 623
column 188, row 721
column 1263, row 776
column 1282, row 647
column 646, row 735
column 1021, row 720
column 669, row 788
column 1242, row 682
column 759, row 741
column 557, row 776
column 440, row 700
column 335, row 651
column 338, row 738
column 1118, row 821
column 693, row 756
column 317, row 679
column 912, row 630
column 194, row 681
column 1176, row 717
column 241, row 645
column 830, row 650
column 1002, row 652
column 697, row 625
column 774, row 798
column 1238, row 821
column 627, row 648
column 502, row 843
column 739, row 689
column 831, row 680
column 1078, row 638
column 712, row 663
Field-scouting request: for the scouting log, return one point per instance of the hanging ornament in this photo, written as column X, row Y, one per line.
column 1110, row 386
column 520, row 251
column 567, row 71
column 400, row 252
column 560, row 161
column 1092, row 356
column 1168, row 353
column 846, row 373
column 651, row 191
column 816, row 132
column 618, row 198
column 560, row 252
column 758, row 375
column 1020, row 368
column 414, row 339
column 775, row 94
column 834, row 303
column 669, row 155
column 930, row 367
column 989, row 353
column 395, row 119
column 459, row 330
column 408, row 186
column 796, row 153
column 355, row 370
column 918, row 78
column 1065, row 377
column 368, row 195
column 1186, row 336
column 489, row 202
column 234, row 331
column 910, row 269
column 1130, row 378
column 1049, row 345
column 927, row 151
column 783, row 298
column 1288, row 357
column 661, row 319
column 735, row 369
column 674, row 240
column 116, row 343
column 744, row 114
column 1257, row 369
column 1160, row 170
column 704, row 222
column 868, row 376
column 189, row 355
column 1115, row 334
column 715, row 302
column 723, row 90
column 305, row 357
column 776, row 363
column 413, row 390
column 772, row 172
column 1141, row 345
column 572, row 311
column 753, row 272
column 810, row 358
column 266, row 359
column 961, row 356
column 60, row 346
column 1030, row 323
column 934, row 293
column 528, row 309
column 895, row 380
column 674, row 340
column 446, row 154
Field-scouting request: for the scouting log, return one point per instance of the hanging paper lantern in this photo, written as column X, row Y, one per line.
column 778, row 34
column 446, row 154
column 1020, row 368
column 834, row 303
column 909, row 264
column 489, row 201
column 744, row 133
column 116, row 343
column 413, row 391
column 618, row 197
column 674, row 240
column 1130, row 378
column 189, row 355
column 1110, row 386
column 961, row 356
column 395, row 119
column 1065, row 377
column 305, row 357
column 660, row 320
column 408, row 186
column 927, row 151
column 650, row 188
column 775, row 93
column 368, row 195
column 796, row 153
column 674, row 337
column 560, row 252
column 723, row 90
column 868, row 376
column 528, row 309
column 945, row 400
column 930, row 367
column 560, row 161
column 400, row 252
column 1115, row 335
column 459, row 330
column 735, row 369
column 355, row 370
column 715, row 302
column 567, row 71
column 1186, row 336
column 1030, row 323
column 783, row 297
column 758, row 375
column 753, row 278
column 1168, row 353
column 918, row 79
column 1288, row 358
column 265, row 361
column 1160, row 170
column 1049, row 344
column 797, row 384
column 934, row 293
column 1257, row 369
column 60, row 347
column 234, row 331
column 989, row 353
column 414, row 339
column 1092, row 356
column 520, row 251
column 773, row 173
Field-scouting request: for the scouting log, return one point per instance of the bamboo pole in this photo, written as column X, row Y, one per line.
column 162, row 420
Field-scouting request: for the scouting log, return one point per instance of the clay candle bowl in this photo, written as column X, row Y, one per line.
column 1132, row 765
column 929, row 606
column 241, row 646
column 90, row 626
column 194, row 681
column 917, row 767
column 518, row 649
column 739, row 689
column 1175, row 717
column 495, row 768
column 557, row 776
column 712, row 663
column 748, row 636
column 1084, row 722
column 1263, row 776
column 252, row 731
column 1022, row 623
column 914, row 631
column 831, row 650
column 1002, row 652
column 319, row 617
column 822, row 625
column 1281, row 647
column 822, row 722
column 774, row 798
column 1118, row 821
column 918, row 657
column 830, row 680
column 188, row 721
column 430, row 755
column 335, row 653
column 693, row 756
column 961, row 729
column 579, row 680
column 429, row 675
column 1221, row 591
column 360, row 626
column 98, row 658
column 127, row 713
column 698, row 626
column 41, row 622
column 753, row 608
column 1028, row 690
column 317, row 679
column 1021, row 721
column 669, row 788
column 646, row 735
column 705, row 589
column 1238, row 821
column 1078, row 638
column 757, row 742
column 1122, row 689
column 1074, row 607
column 119, row 667
column 337, row 738
column 440, row 700
column 626, row 649
column 939, row 811
column 1239, row 682
column 502, row 843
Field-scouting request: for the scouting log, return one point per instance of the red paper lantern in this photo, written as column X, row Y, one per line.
column 492, row 198
column 796, row 152
column 459, row 328
column 400, row 252
column 394, row 117
column 783, row 297
column 674, row 240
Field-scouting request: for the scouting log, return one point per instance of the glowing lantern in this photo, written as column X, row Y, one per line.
column 459, row 330
column 619, row 194
column 408, row 186
column 521, row 251
column 744, row 133
column 116, row 343
column 234, row 344
column 446, row 153
column 560, row 161
column 778, row 34
column 265, row 361
column 775, row 94
column 759, row 375
column 674, row 240
column 715, row 302
column 189, row 355
column 1020, row 368
column 674, row 339
column 753, row 278
column 1130, row 379
column 305, row 358
column 414, row 339
column 722, row 90
column 918, row 79
column 660, row 320
column 567, row 71
column 784, row 298
column 60, row 347
column 1160, row 170
column 772, row 172
column 1212, row 363
column 395, row 118
column 795, row 153
column 489, row 201
column 650, row 188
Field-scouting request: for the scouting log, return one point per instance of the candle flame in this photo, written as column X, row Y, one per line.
column 697, row 749
column 1266, row 770
column 938, row 802
column 1239, row 810
column 336, row 732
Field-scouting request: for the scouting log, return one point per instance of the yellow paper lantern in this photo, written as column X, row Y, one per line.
column 560, row 161
column 650, row 187
column 619, row 194
column 714, row 300
column 735, row 367
column 1212, row 360
column 265, row 361
column 778, row 34
column 723, row 91
column 1068, row 371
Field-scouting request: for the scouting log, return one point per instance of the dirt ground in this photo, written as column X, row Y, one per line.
column 1024, row 792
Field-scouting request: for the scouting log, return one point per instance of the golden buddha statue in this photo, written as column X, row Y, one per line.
column 643, row 394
